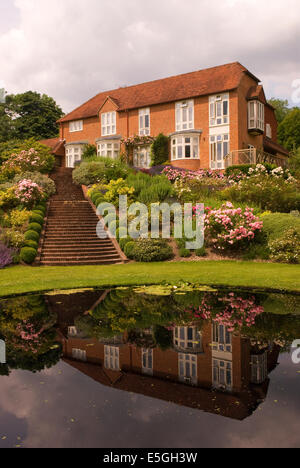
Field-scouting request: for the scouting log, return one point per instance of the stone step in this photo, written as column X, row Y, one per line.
column 81, row 256
column 80, row 262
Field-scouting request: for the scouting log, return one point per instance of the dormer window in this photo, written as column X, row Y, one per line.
column 144, row 122
column 256, row 117
column 219, row 110
column 76, row 126
column 184, row 115
column 108, row 123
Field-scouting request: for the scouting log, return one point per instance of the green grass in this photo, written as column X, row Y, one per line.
column 21, row 279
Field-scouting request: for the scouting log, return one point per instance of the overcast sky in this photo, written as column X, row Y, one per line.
column 73, row 49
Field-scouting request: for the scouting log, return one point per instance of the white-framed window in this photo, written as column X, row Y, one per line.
column 187, row 338
column 219, row 110
column 147, row 361
column 184, row 111
column 222, row 374
column 219, row 148
column 269, row 131
column 76, row 126
column 79, row 354
column 259, row 368
column 142, row 157
column 222, row 339
column 187, row 364
column 111, row 357
column 185, row 147
column 144, row 122
column 109, row 149
column 256, row 115
column 108, row 123
column 73, row 154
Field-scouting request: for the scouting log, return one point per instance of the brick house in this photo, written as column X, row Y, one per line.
column 214, row 118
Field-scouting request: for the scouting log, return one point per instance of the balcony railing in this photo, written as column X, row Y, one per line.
column 253, row 156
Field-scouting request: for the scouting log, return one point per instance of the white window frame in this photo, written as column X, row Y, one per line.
column 218, row 104
column 72, row 331
column 221, row 338
column 73, row 155
column 76, row 126
column 259, row 368
column 187, row 368
column 112, row 358
column 218, row 146
column 184, row 115
column 222, row 377
column 109, row 149
column 179, row 145
column 269, row 131
column 79, row 354
column 256, row 115
column 147, row 361
column 108, row 123
column 144, row 122
column 187, row 338
column 142, row 157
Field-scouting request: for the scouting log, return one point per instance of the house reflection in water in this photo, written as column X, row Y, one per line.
column 207, row 368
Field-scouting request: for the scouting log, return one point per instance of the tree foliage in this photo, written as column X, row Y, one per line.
column 29, row 115
column 289, row 130
column 281, row 107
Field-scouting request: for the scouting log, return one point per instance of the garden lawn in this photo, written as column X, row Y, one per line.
column 271, row 276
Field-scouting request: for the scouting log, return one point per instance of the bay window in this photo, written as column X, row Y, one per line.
column 184, row 111
column 76, row 126
column 222, row 339
column 219, row 110
column 144, row 122
column 185, row 147
column 187, row 338
column 108, row 149
column 73, row 154
column 108, row 123
column 256, row 116
column 219, row 148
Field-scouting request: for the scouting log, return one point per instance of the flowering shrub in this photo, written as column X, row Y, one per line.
column 6, row 256
column 286, row 249
column 174, row 174
column 43, row 181
column 268, row 192
column 17, row 217
column 116, row 188
column 231, row 226
column 28, row 192
column 235, row 312
column 28, row 160
column 235, row 174
column 13, row 238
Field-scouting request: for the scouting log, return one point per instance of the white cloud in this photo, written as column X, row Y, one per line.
column 72, row 49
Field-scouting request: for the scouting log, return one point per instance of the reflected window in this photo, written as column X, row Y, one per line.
column 187, row 338
column 259, row 368
column 79, row 354
column 72, row 331
column 222, row 339
column 222, row 374
column 147, row 361
column 187, row 368
column 111, row 358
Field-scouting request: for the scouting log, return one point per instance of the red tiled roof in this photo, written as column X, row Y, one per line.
column 199, row 83
column 56, row 145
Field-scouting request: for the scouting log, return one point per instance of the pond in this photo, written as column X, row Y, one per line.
column 150, row 367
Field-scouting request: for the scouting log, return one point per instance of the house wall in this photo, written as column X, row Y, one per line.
column 162, row 119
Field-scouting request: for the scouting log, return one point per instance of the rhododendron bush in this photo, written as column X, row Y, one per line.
column 173, row 174
column 232, row 311
column 27, row 160
column 28, row 192
column 229, row 226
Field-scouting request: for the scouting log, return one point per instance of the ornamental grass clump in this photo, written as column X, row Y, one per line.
column 229, row 227
column 6, row 256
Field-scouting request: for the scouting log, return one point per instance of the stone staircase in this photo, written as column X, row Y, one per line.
column 70, row 233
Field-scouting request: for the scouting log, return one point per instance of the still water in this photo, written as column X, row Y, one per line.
column 157, row 367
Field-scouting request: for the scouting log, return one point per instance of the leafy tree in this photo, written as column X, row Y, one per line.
column 5, row 124
column 29, row 115
column 289, row 130
column 281, row 108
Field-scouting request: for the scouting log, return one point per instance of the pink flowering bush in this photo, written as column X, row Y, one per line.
column 27, row 160
column 174, row 174
column 230, row 227
column 232, row 311
column 28, row 193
